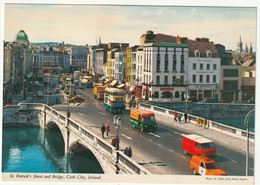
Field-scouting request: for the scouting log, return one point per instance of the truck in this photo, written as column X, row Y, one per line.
column 143, row 120
column 99, row 92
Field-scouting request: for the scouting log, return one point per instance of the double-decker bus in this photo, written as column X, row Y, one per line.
column 114, row 100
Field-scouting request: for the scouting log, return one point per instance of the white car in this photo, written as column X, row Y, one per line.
column 36, row 83
column 39, row 93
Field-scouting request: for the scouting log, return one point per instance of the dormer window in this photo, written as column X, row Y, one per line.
column 197, row 53
column 209, row 53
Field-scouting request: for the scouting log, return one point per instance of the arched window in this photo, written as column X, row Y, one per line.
column 173, row 79
column 158, row 80
column 166, row 80
column 177, row 94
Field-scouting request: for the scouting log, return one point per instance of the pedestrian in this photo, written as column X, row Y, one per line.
column 107, row 128
column 126, row 151
column 117, row 142
column 130, row 152
column 179, row 118
column 114, row 141
column 134, row 103
column 197, row 122
column 175, row 116
column 130, row 103
column 103, row 129
column 205, row 123
column 185, row 117
column 57, row 100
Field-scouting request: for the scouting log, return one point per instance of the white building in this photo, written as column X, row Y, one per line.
column 78, row 57
column 165, row 70
column 204, row 69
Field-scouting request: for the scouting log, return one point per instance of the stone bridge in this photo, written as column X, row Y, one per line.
column 75, row 136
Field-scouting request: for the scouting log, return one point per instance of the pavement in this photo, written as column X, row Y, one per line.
column 227, row 140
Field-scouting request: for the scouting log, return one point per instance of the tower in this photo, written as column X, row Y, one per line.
column 246, row 49
column 251, row 48
column 240, row 46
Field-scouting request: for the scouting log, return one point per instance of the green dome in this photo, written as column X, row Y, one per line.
column 21, row 35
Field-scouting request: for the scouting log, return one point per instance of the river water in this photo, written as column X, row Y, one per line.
column 33, row 150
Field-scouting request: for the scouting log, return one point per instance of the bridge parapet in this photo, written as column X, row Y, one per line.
column 232, row 131
column 110, row 159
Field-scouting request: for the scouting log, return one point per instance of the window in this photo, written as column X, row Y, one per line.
column 214, row 78
column 194, row 78
column 201, row 78
column 158, row 63
column 174, row 62
column 201, row 66
column 182, row 62
column 166, row 80
column 208, row 66
column 197, row 53
column 166, row 63
column 194, row 66
column 207, row 78
column 214, row 66
column 230, row 73
column 158, row 80
column 177, row 94
column 173, row 79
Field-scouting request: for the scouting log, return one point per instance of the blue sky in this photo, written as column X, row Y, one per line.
column 83, row 24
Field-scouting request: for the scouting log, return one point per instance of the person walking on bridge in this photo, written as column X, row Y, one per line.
column 205, row 123
column 197, row 122
column 175, row 116
column 185, row 117
column 103, row 129
column 107, row 128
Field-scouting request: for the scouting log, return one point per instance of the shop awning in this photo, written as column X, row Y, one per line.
column 120, row 86
column 113, row 83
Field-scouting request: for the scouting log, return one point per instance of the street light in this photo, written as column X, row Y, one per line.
column 246, row 123
column 117, row 123
column 48, row 88
column 174, row 75
column 186, row 97
column 68, row 95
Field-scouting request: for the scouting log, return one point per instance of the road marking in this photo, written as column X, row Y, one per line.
column 170, row 134
column 154, row 134
column 251, row 168
column 150, row 140
column 102, row 113
column 233, row 161
column 170, row 150
column 80, row 114
column 183, row 156
column 141, row 136
column 159, row 144
column 126, row 136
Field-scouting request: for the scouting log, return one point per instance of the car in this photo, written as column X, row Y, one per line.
column 203, row 165
column 209, row 100
column 251, row 101
column 77, row 99
column 56, row 91
column 39, row 93
column 49, row 92
column 36, row 83
column 53, row 85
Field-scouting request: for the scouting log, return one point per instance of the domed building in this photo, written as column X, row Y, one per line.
column 22, row 38
column 17, row 63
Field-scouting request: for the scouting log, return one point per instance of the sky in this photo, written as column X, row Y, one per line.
column 84, row 24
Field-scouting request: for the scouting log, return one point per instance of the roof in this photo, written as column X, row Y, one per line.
column 144, row 112
column 113, row 83
column 21, row 35
column 249, row 63
column 203, row 47
column 114, row 90
column 162, row 44
column 198, row 138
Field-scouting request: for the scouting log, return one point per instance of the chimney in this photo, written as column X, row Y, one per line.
column 184, row 39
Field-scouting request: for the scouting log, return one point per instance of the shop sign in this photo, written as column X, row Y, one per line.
column 166, row 89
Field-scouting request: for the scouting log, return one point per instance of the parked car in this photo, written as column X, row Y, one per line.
column 39, row 93
column 77, row 99
column 49, row 92
column 53, row 85
column 251, row 101
column 56, row 91
column 36, row 83
column 205, row 166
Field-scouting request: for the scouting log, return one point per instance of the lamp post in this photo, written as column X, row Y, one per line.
column 186, row 97
column 174, row 75
column 117, row 123
column 150, row 86
column 48, row 88
column 246, row 123
column 68, row 95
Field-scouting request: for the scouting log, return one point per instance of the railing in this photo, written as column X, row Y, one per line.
column 127, row 163
column 236, row 132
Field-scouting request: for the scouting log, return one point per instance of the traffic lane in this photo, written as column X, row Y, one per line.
column 164, row 159
column 165, row 133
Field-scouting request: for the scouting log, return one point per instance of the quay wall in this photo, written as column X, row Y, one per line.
column 209, row 110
